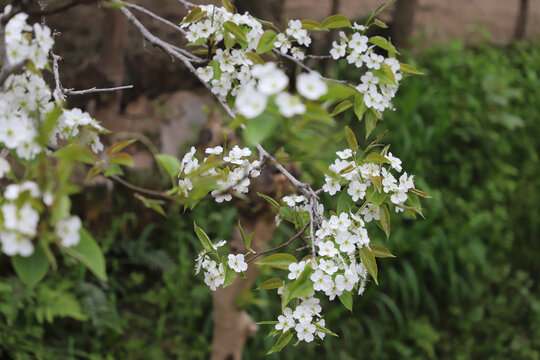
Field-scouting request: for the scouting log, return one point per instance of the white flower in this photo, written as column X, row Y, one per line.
column 357, row 190
column 305, row 331
column 331, row 186
column 370, row 212
column 285, row 322
column 206, row 73
column 327, row 249
column 215, row 150
column 338, row 50
column 296, row 269
column 68, row 231
column 289, row 105
column 236, row 154
column 345, row 154
column 297, row 53
column 282, row 43
column 311, row 86
column 250, row 103
column 237, row 262
column 273, row 82
column 13, row 244
column 358, row 27
column 358, row 42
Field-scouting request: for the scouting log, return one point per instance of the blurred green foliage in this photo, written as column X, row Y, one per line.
column 464, row 284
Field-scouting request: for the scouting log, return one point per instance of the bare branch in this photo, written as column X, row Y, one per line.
column 141, row 190
column 187, row 4
column 298, row 234
column 61, row 8
column 95, row 90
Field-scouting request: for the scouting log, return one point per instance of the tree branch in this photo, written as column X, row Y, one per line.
column 298, row 234
column 141, row 190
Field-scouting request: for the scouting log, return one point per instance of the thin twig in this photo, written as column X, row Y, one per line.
column 298, row 234
column 187, row 4
column 94, row 90
column 61, row 8
column 141, row 190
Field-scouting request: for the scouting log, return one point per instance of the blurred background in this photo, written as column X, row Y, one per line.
column 464, row 284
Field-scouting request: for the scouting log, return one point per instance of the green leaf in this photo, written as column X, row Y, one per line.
column 193, row 15
column 368, row 259
column 385, row 75
column 334, row 22
column 255, row 58
column 283, row 340
column 114, row 170
column 359, row 106
column 119, row 146
column 371, row 121
column 203, row 238
column 47, row 126
column 266, row 42
column 76, row 152
column 325, row 330
column 286, row 214
column 227, row 5
column 420, row 193
column 310, row 24
column 347, row 300
column 380, row 24
column 383, row 44
column 380, row 251
column 271, row 284
column 270, row 200
column 31, row 270
column 300, row 287
column 269, row 322
column 122, row 159
column 384, row 216
column 170, row 163
column 341, row 107
column 338, row 92
column 375, row 158
column 379, row 10
column 409, row 69
column 351, row 139
column 374, row 196
column 88, row 252
column 260, row 128
column 153, row 204
column 246, row 239
column 279, row 261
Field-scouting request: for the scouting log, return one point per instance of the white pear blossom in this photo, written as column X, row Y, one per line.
column 237, row 263
column 68, row 231
column 311, row 86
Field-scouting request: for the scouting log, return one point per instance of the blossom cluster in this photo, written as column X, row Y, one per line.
column 234, row 175
column 304, row 319
column 377, row 89
column 271, row 81
column 214, row 269
column 359, row 177
column 27, row 99
column 20, row 218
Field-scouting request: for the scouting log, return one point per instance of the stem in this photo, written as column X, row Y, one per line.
column 298, row 234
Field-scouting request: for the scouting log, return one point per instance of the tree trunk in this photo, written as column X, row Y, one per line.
column 521, row 20
column 403, row 22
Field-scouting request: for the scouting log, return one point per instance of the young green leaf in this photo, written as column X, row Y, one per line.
column 203, row 238
column 384, row 216
column 266, row 42
column 380, row 251
column 279, row 261
column 193, row 15
column 32, row 269
column 270, row 200
column 334, row 22
column 271, row 284
column 235, row 30
column 310, row 25
column 88, row 252
column 371, row 121
column 119, row 146
column 283, row 340
column 170, row 164
column 341, row 107
column 375, row 158
column 347, row 300
column 325, row 330
column 359, row 106
column 368, row 259
column 383, row 44
column 300, row 287
column 351, row 139
column 230, row 274
column 409, row 69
